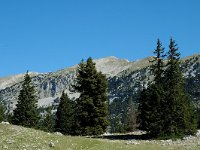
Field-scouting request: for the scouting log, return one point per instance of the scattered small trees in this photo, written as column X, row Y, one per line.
column 91, row 107
column 165, row 109
column 26, row 113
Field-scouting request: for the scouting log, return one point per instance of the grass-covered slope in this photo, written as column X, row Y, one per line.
column 20, row 138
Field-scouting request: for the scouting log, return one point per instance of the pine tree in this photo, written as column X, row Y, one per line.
column 91, row 113
column 26, row 113
column 151, row 99
column 157, row 66
column 156, row 92
column 179, row 110
column 165, row 108
column 64, row 115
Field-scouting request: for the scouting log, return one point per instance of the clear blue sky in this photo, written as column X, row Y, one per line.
column 47, row 35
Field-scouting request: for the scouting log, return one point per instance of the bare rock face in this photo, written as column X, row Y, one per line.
column 48, row 85
column 125, row 78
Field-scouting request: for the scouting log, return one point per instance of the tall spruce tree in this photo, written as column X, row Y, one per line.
column 157, row 66
column 64, row 115
column 151, row 99
column 26, row 113
column 178, row 108
column 91, row 110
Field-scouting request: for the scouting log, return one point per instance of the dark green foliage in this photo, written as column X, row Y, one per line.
column 198, row 118
column 180, row 116
column 157, row 67
column 2, row 112
column 150, row 108
column 26, row 113
column 64, row 115
column 152, row 99
column 165, row 108
column 129, row 85
column 91, row 106
column 48, row 123
column 8, row 117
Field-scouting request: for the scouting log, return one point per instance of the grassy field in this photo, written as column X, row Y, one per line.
column 20, row 138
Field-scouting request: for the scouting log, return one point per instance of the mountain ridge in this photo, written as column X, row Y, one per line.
column 125, row 79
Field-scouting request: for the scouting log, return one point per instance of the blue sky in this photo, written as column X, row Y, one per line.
column 47, row 35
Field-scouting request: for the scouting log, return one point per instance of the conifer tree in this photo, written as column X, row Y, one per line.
column 91, row 113
column 151, row 99
column 64, row 115
column 179, row 110
column 157, row 66
column 165, row 108
column 26, row 113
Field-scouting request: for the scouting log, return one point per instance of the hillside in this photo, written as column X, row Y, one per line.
column 15, row 137
column 125, row 79
column 129, row 81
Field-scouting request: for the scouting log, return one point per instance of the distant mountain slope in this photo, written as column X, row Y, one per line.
column 11, row 80
column 125, row 79
column 130, row 81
